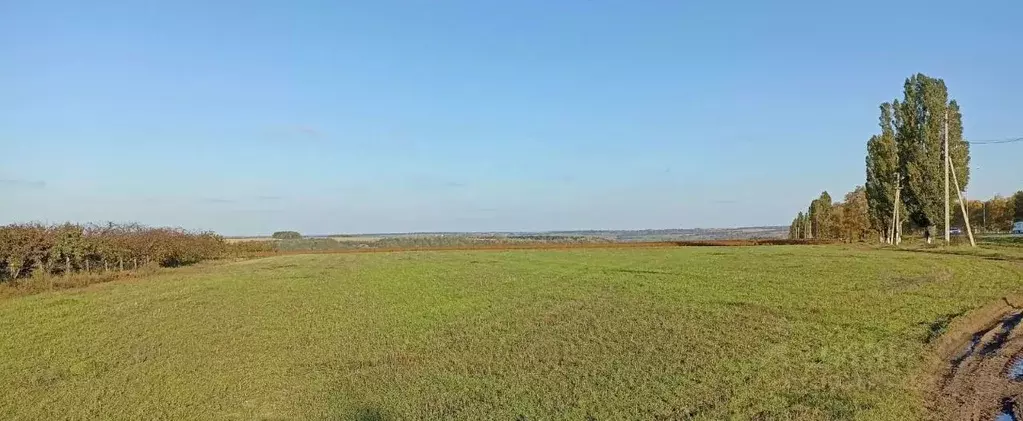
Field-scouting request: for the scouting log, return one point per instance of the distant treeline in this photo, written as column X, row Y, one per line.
column 28, row 250
column 850, row 221
column 993, row 215
column 843, row 221
column 412, row 242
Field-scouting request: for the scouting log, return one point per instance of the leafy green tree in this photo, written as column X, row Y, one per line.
column 804, row 233
column 1000, row 212
column 882, row 175
column 856, row 216
column 820, row 216
column 977, row 212
column 808, row 219
column 836, row 222
column 798, row 228
column 1017, row 204
column 975, row 209
column 919, row 123
column 958, row 150
column 286, row 235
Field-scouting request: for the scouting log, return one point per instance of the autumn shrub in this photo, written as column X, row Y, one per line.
column 39, row 250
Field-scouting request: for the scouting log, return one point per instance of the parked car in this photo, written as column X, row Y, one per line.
column 1017, row 228
column 955, row 231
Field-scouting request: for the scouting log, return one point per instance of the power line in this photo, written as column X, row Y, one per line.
column 994, row 142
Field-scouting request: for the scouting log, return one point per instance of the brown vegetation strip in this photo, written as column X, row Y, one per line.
column 553, row 246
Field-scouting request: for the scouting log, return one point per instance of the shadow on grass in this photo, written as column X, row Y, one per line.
column 641, row 271
column 940, row 325
column 370, row 414
column 986, row 254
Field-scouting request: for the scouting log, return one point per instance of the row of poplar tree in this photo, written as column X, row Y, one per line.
column 847, row 220
column 908, row 155
column 850, row 220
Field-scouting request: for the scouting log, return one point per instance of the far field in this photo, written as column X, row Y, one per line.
column 703, row 333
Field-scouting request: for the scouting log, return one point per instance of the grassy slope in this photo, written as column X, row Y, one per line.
column 707, row 333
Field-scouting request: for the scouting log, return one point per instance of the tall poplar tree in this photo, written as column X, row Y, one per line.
column 919, row 123
column 882, row 174
column 820, row 216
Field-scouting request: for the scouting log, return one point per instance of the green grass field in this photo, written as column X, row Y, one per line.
column 779, row 332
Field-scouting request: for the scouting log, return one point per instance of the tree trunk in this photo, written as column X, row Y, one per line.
column 120, row 263
column 86, row 265
column 67, row 265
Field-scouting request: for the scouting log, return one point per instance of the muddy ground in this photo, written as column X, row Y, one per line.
column 979, row 365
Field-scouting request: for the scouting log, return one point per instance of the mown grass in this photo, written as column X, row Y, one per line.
column 780, row 332
column 1013, row 240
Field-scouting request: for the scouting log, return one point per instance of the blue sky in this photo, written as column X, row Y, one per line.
column 247, row 117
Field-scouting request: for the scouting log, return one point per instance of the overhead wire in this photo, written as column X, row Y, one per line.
column 994, row 142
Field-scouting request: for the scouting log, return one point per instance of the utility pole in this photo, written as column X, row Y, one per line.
column 898, row 200
column 895, row 231
column 962, row 206
column 890, row 238
column 945, row 142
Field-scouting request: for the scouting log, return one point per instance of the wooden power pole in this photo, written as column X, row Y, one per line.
column 962, row 205
column 890, row 237
column 894, row 232
column 898, row 200
column 947, row 163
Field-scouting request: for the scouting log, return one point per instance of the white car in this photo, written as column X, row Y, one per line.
column 1017, row 228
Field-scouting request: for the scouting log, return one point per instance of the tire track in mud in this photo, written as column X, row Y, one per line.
column 979, row 375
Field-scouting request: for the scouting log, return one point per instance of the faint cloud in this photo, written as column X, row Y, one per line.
column 268, row 198
column 216, row 200
column 22, row 183
column 726, row 202
column 455, row 184
column 309, row 131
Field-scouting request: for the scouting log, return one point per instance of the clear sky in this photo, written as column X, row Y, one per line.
column 248, row 117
